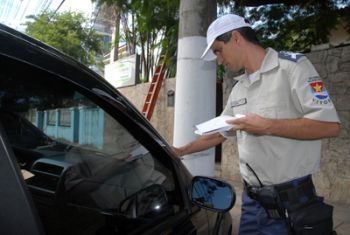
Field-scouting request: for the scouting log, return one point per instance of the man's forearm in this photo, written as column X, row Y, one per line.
column 303, row 129
column 202, row 143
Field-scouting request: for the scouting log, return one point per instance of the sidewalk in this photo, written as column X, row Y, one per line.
column 341, row 213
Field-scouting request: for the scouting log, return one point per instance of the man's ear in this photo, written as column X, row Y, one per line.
column 236, row 36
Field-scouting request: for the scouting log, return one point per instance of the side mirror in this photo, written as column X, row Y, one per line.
column 212, row 194
column 151, row 201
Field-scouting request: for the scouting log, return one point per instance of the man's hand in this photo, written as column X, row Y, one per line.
column 253, row 124
column 177, row 152
column 202, row 143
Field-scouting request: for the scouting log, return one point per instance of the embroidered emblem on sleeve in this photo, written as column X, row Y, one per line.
column 288, row 55
column 318, row 90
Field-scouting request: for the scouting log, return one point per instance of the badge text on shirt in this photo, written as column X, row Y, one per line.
column 239, row 102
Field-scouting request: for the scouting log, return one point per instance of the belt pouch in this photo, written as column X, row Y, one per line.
column 269, row 199
column 313, row 219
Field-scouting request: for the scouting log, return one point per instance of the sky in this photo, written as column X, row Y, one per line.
column 13, row 12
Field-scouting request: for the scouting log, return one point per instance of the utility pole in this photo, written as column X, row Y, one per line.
column 195, row 97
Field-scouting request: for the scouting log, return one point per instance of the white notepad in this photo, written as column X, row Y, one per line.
column 217, row 124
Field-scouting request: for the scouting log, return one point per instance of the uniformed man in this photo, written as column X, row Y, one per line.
column 287, row 112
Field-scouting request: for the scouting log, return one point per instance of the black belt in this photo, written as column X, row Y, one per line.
column 294, row 193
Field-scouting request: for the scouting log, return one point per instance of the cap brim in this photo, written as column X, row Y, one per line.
column 208, row 54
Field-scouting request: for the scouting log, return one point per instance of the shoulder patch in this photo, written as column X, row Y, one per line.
column 292, row 56
column 318, row 90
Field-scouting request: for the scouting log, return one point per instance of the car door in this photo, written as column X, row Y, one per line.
column 18, row 214
column 90, row 167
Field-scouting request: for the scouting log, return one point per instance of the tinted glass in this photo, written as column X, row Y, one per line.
column 81, row 165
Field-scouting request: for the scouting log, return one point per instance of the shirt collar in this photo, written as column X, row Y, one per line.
column 270, row 62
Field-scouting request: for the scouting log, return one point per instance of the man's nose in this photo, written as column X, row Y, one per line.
column 219, row 60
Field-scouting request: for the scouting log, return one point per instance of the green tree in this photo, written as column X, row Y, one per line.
column 67, row 32
column 292, row 25
column 147, row 26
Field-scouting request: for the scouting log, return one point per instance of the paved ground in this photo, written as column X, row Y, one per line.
column 341, row 214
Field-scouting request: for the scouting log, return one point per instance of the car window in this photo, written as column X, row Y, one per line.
column 86, row 172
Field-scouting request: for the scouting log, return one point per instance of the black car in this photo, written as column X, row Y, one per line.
column 76, row 157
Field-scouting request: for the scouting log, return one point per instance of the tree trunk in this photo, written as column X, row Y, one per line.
column 115, row 36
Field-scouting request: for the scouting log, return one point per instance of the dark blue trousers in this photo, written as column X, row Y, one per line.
column 254, row 220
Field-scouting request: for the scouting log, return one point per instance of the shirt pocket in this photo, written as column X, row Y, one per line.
column 278, row 111
column 239, row 110
column 239, row 106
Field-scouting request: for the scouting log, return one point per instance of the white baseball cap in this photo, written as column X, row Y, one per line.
column 220, row 26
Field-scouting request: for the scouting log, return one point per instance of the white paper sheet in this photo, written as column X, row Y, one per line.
column 217, row 124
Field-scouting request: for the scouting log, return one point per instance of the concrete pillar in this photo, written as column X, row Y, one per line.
column 195, row 82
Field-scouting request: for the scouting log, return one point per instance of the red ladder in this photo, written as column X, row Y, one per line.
column 154, row 88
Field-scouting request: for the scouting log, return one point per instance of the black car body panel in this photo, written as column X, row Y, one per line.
column 23, row 209
column 50, row 104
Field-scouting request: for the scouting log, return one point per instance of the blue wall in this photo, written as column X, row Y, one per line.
column 86, row 125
